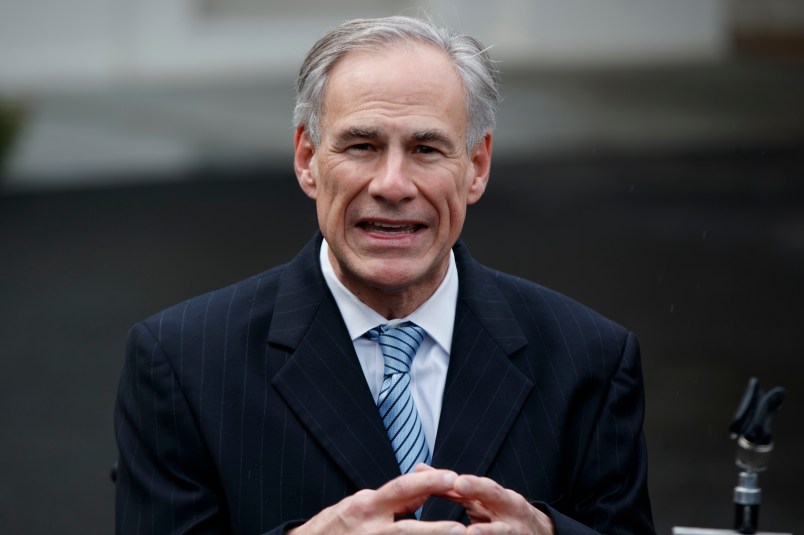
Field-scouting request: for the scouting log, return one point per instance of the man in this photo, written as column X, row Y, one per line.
column 275, row 404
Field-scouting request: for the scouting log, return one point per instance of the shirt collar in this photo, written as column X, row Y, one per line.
column 436, row 315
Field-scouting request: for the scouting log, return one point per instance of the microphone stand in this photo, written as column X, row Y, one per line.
column 751, row 427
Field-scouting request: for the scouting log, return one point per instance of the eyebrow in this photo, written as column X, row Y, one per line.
column 435, row 136
column 428, row 136
column 353, row 133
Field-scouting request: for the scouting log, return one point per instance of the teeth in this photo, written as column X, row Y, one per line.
column 391, row 228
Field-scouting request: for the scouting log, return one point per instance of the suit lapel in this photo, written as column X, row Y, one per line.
column 322, row 381
column 484, row 391
column 323, row 384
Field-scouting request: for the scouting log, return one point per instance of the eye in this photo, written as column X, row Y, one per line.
column 425, row 149
column 361, row 147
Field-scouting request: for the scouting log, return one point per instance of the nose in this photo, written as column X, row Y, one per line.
column 392, row 182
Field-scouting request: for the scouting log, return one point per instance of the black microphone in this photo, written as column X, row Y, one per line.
column 751, row 427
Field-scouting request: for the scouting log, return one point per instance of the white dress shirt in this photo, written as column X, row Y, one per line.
column 436, row 316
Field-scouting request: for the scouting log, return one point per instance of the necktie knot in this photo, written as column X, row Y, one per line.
column 399, row 344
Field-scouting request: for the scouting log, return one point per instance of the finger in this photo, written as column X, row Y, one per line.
column 408, row 492
column 491, row 528
column 495, row 528
column 450, row 494
column 477, row 512
column 508, row 511
column 484, row 490
column 415, row 527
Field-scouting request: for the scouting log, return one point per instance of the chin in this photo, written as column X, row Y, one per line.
column 391, row 280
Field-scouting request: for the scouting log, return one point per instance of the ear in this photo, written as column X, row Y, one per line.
column 303, row 154
column 480, row 169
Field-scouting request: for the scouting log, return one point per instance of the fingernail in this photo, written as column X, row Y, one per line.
column 462, row 485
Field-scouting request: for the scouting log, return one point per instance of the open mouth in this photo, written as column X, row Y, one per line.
column 390, row 228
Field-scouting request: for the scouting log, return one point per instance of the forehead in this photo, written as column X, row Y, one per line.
column 404, row 80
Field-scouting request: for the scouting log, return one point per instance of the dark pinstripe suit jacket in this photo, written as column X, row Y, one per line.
column 246, row 408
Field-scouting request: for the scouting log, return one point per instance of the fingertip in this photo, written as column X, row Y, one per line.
column 449, row 478
column 462, row 485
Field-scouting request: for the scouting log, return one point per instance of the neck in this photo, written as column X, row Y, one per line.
column 391, row 303
column 391, row 306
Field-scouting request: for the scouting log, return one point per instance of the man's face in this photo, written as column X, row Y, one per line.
column 391, row 176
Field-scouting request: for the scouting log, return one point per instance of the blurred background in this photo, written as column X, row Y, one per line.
column 649, row 161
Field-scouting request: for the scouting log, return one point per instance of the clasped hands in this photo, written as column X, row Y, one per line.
column 491, row 508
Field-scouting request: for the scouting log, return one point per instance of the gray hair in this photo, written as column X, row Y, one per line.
column 468, row 56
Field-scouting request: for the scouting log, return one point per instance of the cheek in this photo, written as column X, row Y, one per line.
column 335, row 195
column 454, row 198
column 457, row 217
column 339, row 179
column 456, row 202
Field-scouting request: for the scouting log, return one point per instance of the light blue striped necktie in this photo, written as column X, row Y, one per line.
column 397, row 409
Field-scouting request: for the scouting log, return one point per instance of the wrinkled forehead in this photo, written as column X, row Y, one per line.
column 393, row 62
